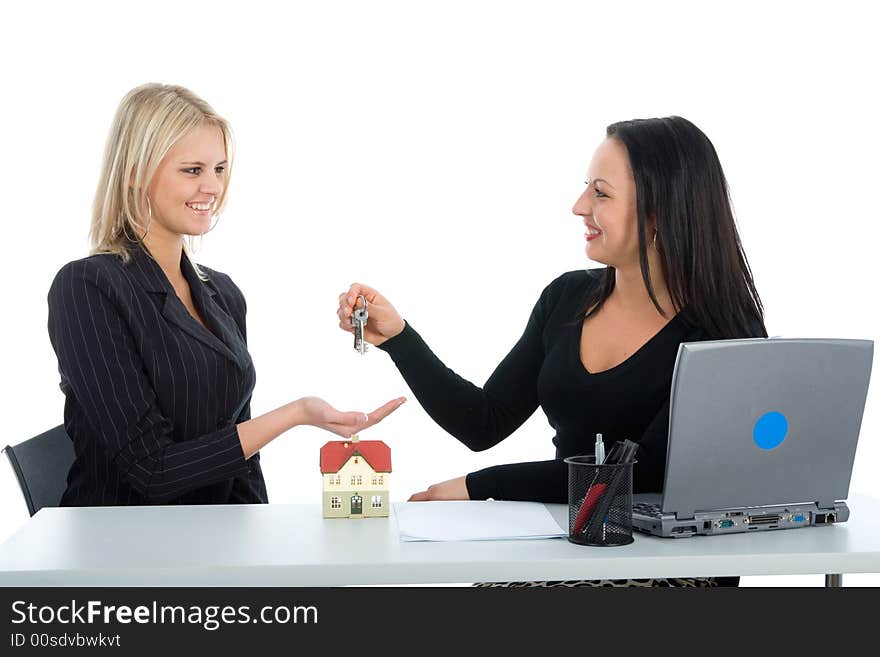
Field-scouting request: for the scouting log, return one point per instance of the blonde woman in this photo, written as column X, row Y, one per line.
column 151, row 347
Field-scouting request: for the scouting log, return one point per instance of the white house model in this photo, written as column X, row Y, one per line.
column 356, row 477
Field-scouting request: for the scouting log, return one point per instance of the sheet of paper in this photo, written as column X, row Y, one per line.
column 474, row 521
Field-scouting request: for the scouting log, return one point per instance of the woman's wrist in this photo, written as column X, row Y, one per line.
column 393, row 338
column 399, row 329
column 393, row 333
column 259, row 431
column 294, row 413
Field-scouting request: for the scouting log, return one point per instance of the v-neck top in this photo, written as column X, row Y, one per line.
column 153, row 397
column 544, row 368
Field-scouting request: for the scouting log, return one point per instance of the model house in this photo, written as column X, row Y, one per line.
column 356, row 477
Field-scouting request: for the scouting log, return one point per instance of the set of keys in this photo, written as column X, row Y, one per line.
column 359, row 322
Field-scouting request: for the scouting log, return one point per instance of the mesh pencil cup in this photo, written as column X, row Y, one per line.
column 599, row 502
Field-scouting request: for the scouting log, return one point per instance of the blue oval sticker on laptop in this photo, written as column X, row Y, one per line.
column 770, row 430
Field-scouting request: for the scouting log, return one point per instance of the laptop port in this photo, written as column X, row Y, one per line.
column 685, row 529
column 797, row 518
column 765, row 519
column 725, row 524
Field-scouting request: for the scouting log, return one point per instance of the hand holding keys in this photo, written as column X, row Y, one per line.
column 384, row 321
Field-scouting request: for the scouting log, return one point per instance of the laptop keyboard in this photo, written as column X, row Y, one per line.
column 647, row 509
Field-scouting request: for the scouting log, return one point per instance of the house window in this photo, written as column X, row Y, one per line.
column 374, row 480
column 335, row 502
column 356, row 480
column 381, row 480
column 331, row 480
column 338, row 480
column 376, row 502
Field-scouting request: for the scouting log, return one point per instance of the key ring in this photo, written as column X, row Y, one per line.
column 361, row 296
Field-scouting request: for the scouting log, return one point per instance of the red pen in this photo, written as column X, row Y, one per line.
column 590, row 500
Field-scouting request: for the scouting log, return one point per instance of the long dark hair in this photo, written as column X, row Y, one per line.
column 680, row 182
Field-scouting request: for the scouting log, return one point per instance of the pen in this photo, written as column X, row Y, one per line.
column 590, row 500
column 600, row 459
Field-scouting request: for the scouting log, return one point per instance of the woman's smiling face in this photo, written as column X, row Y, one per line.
column 608, row 207
column 189, row 181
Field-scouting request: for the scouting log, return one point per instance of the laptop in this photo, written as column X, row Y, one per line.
column 762, row 436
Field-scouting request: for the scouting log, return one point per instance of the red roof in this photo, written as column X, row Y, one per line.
column 335, row 454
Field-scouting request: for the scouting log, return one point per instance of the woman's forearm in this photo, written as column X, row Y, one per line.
column 478, row 417
column 258, row 432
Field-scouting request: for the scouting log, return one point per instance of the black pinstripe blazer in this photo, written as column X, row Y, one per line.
column 152, row 397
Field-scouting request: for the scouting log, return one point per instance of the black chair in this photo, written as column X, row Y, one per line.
column 41, row 465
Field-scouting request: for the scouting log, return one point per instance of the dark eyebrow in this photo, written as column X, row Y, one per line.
column 600, row 179
column 201, row 164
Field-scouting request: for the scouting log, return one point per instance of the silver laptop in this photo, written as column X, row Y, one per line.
column 762, row 436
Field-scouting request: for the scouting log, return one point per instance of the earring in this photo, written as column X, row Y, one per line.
column 149, row 218
column 214, row 225
column 201, row 236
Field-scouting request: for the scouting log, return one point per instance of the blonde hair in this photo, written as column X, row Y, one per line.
column 150, row 120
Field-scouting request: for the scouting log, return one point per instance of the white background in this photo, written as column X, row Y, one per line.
column 434, row 151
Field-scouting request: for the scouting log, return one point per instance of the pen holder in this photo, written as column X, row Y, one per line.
column 599, row 502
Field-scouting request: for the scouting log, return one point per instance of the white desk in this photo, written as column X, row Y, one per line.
column 292, row 545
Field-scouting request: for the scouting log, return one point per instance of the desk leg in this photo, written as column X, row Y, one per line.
column 833, row 581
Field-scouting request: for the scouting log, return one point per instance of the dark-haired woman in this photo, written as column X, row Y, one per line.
column 599, row 348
